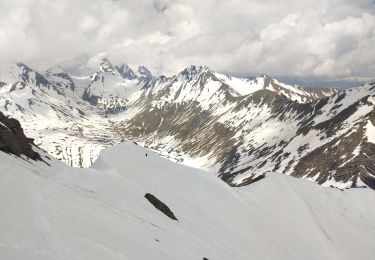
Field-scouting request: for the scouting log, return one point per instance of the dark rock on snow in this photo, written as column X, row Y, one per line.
column 13, row 139
column 160, row 206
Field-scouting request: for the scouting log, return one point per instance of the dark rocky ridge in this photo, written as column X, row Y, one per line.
column 13, row 139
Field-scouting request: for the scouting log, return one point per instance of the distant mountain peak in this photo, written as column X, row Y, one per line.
column 264, row 76
column 106, row 66
column 55, row 70
column 125, row 71
column 20, row 65
column 144, row 72
column 194, row 70
column 122, row 70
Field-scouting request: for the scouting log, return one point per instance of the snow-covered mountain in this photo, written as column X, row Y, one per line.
column 241, row 135
column 237, row 128
column 52, row 111
column 112, row 86
column 120, row 208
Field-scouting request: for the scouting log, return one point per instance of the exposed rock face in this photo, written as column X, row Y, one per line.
column 160, row 206
column 347, row 158
column 60, row 79
column 144, row 73
column 13, row 140
column 122, row 70
column 125, row 71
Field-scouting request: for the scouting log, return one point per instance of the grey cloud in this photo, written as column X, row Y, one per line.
column 322, row 38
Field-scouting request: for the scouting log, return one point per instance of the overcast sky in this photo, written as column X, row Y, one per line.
column 330, row 39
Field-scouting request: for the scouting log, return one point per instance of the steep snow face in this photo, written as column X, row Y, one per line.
column 109, row 86
column 60, row 212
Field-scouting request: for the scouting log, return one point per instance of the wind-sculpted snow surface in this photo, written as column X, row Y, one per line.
column 59, row 212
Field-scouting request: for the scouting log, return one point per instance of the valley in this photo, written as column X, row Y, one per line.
column 236, row 128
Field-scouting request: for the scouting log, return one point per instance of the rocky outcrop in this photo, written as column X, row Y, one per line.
column 160, row 206
column 13, row 139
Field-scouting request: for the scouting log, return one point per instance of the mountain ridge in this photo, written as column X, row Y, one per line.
column 205, row 119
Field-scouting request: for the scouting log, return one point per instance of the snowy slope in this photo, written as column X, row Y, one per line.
column 101, row 213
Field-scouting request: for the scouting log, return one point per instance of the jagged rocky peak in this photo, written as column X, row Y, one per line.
column 25, row 70
column 10, row 73
column 23, row 66
column 194, row 70
column 28, row 75
column 263, row 76
column 122, row 70
column 265, row 79
column 106, row 66
column 125, row 71
column 255, row 78
column 144, row 72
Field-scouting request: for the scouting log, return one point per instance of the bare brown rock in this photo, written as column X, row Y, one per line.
column 13, row 139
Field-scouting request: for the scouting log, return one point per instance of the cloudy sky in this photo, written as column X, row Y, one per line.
column 321, row 39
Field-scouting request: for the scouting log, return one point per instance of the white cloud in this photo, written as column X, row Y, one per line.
column 322, row 38
column 88, row 24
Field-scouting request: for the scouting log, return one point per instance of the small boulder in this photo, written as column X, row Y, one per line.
column 160, row 206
